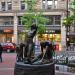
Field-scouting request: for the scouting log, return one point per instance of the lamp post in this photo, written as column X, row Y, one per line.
column 67, row 31
column 67, row 27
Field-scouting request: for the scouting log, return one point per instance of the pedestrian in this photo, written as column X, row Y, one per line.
column 1, row 49
column 21, row 50
column 18, row 53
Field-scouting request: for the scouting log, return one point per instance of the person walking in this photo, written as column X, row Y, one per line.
column 21, row 50
column 18, row 53
column 1, row 49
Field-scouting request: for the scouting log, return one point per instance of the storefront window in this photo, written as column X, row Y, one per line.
column 51, row 37
column 57, row 37
column 8, row 39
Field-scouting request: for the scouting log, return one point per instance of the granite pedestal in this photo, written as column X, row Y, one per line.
column 28, row 69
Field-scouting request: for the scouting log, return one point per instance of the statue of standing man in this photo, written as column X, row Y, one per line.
column 29, row 43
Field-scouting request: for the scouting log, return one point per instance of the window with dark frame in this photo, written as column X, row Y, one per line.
column 22, row 5
column 48, row 4
column 53, row 19
column 57, row 19
column 9, row 5
column 19, row 20
column 3, row 6
column 50, row 18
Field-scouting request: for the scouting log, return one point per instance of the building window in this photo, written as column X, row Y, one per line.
column 3, row 6
column 8, row 22
column 9, row 4
column 53, row 20
column 56, row 4
column 50, row 18
column 57, row 19
column 22, row 5
column 43, row 4
column 48, row 4
column 19, row 20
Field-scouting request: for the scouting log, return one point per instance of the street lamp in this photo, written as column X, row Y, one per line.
column 67, row 26
column 65, row 22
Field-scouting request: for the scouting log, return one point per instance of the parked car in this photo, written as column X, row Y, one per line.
column 9, row 47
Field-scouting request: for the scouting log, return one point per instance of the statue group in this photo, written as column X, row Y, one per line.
column 30, row 64
column 25, row 51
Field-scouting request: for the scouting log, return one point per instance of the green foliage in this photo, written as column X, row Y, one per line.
column 41, row 29
column 34, row 16
column 68, row 21
column 31, row 5
column 27, row 20
column 72, row 5
column 73, row 17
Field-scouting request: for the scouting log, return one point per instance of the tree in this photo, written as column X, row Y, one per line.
column 67, row 21
column 32, row 15
column 70, row 20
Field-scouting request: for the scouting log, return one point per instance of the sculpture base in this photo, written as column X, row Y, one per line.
column 27, row 69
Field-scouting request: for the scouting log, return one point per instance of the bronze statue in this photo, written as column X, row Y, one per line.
column 29, row 44
column 45, row 57
column 26, row 55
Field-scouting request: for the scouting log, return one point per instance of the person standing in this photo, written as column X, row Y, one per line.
column 1, row 49
column 19, row 51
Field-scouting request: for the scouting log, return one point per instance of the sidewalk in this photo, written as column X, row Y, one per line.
column 7, row 66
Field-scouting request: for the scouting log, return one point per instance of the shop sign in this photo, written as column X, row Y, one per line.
column 8, row 31
column 53, row 31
